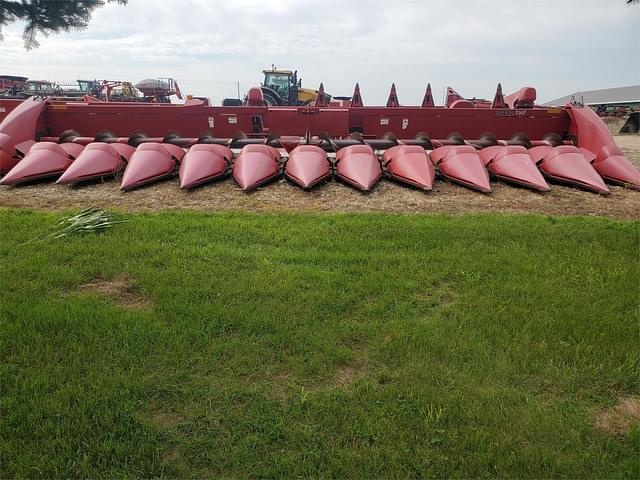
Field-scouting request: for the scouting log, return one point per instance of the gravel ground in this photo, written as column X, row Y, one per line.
column 282, row 196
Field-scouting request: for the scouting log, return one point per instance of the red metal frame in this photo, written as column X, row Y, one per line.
column 7, row 105
column 195, row 119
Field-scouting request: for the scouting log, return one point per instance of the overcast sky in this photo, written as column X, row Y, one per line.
column 208, row 45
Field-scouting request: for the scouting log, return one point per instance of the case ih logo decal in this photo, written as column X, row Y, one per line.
column 511, row 113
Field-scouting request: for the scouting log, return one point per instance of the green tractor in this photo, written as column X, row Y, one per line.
column 281, row 87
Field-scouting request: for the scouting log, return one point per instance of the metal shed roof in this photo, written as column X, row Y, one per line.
column 605, row 96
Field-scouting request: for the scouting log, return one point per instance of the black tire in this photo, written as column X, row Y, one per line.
column 270, row 100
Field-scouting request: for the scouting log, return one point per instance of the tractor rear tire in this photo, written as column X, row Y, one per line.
column 270, row 100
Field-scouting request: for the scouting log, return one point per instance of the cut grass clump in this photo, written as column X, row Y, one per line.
column 87, row 220
column 334, row 346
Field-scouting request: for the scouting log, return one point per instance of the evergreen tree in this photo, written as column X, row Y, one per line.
column 49, row 16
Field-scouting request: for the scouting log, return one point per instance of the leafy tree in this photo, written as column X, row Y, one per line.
column 49, row 16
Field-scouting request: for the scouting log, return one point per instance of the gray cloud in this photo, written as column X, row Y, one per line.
column 557, row 46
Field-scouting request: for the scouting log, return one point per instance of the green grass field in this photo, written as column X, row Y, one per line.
column 244, row 345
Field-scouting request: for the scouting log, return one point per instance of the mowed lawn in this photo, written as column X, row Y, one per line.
column 286, row 345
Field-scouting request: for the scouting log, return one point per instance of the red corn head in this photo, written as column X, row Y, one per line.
column 462, row 164
column 256, row 165
column 307, row 166
column 567, row 164
column 44, row 160
column 613, row 166
column 149, row 163
column 513, row 164
column 358, row 166
column 204, row 163
column 8, row 154
column 97, row 160
column 410, row 164
column 600, row 149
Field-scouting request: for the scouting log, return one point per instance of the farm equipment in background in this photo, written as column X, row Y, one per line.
column 465, row 141
column 632, row 125
column 280, row 87
column 14, row 89
column 159, row 90
column 12, row 85
column 119, row 91
column 632, row 114
column 24, row 88
column 62, row 90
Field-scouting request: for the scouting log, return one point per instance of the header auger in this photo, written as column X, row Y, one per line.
column 465, row 140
